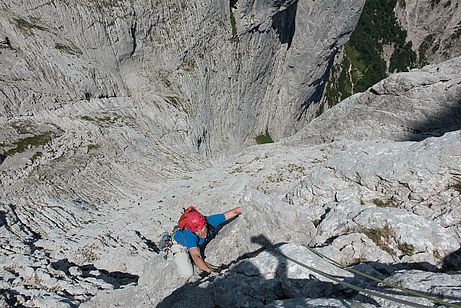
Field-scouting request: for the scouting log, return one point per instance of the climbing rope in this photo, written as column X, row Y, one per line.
column 351, row 286
column 354, row 271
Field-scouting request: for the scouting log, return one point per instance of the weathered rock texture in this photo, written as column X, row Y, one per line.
column 89, row 236
column 433, row 27
column 110, row 151
column 232, row 72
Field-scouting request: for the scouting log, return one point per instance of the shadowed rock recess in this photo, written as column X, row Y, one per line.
column 115, row 115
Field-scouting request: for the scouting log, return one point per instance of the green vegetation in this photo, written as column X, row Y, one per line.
column 37, row 155
column 277, row 178
column 362, row 64
column 166, row 81
column 359, row 260
column 87, row 118
column 319, row 109
column 174, row 100
column 384, row 203
column 59, row 158
column 26, row 26
column 316, row 222
column 67, row 49
column 107, row 3
column 457, row 187
column 22, row 128
column 233, row 22
column 104, row 120
column 406, row 249
column 264, row 138
column 29, row 137
column 340, row 87
column 89, row 252
column 93, row 146
column 33, row 141
column 427, row 42
column 381, row 237
column 189, row 65
column 402, row 58
column 296, row 168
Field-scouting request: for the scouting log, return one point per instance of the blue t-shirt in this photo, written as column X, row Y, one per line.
column 190, row 240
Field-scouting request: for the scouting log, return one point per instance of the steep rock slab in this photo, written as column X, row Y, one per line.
column 60, row 52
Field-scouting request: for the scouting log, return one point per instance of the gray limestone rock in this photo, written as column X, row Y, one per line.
column 114, row 116
column 432, row 27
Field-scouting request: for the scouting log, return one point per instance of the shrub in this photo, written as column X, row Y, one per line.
column 381, row 237
column 457, row 187
column 264, row 138
column 316, row 222
column 67, row 49
column 406, row 249
column 384, row 203
column 33, row 141
column 233, row 22
column 26, row 26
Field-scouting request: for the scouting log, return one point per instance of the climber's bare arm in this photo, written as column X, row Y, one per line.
column 232, row 213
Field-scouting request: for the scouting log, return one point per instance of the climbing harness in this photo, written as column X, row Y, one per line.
column 165, row 244
column 169, row 251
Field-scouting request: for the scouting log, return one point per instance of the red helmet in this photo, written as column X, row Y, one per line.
column 195, row 221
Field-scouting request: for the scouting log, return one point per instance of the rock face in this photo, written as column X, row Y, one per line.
column 231, row 71
column 433, row 27
column 393, row 36
column 370, row 198
column 426, row 102
column 90, row 181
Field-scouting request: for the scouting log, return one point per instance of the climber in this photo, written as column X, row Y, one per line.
column 191, row 240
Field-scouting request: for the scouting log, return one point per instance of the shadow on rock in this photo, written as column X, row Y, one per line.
column 150, row 244
column 382, row 271
column 452, row 262
column 116, row 279
column 284, row 24
column 257, row 280
column 244, row 285
column 439, row 124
